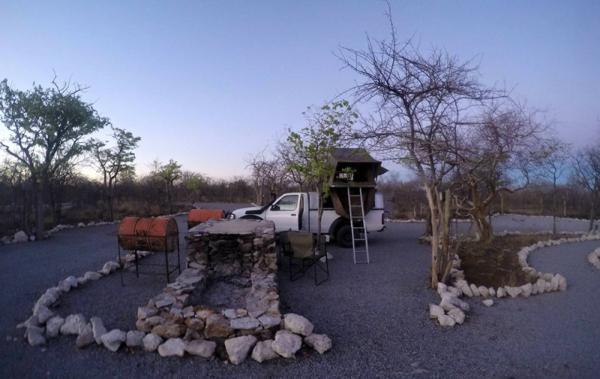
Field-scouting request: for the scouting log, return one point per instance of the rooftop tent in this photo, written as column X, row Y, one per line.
column 354, row 167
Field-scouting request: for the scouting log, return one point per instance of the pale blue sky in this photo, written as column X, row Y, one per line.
column 210, row 82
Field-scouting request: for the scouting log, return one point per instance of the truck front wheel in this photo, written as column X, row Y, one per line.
column 343, row 236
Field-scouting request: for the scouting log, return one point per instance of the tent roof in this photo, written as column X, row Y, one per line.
column 353, row 155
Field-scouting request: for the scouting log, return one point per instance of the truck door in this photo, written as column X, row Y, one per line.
column 285, row 212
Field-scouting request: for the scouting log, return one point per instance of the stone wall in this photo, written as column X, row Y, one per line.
column 241, row 253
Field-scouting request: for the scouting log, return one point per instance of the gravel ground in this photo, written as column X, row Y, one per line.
column 376, row 315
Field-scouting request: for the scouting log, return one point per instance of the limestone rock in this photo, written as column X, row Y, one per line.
column 526, row 289
column 20, row 236
column 500, row 293
column 85, row 337
column 194, row 324
column 53, row 326
column 151, row 342
column 320, row 342
column 450, row 301
column 73, row 324
column 513, row 291
column 488, row 302
column 238, row 348
column 286, row 344
column 217, row 326
column 435, row 311
column 474, row 289
column 172, row 347
column 263, row 351
column 562, row 282
column 43, row 314
column 466, row 290
column 109, row 267
column 134, row 338
column 297, row 324
column 201, row 348
column 441, row 288
column 145, row 312
column 113, row 339
column 244, row 323
column 483, row 291
column 269, row 320
column 98, row 329
column 35, row 336
column 68, row 283
column 457, row 315
column 446, row 320
column 169, row 331
column 492, row 292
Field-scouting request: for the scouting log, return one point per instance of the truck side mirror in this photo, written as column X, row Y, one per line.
column 275, row 207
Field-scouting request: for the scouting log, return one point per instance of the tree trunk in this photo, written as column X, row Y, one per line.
column 592, row 214
column 484, row 228
column 554, row 210
column 319, row 215
column 38, row 193
column 431, row 192
column 110, row 199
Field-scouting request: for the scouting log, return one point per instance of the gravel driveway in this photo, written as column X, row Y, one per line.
column 377, row 316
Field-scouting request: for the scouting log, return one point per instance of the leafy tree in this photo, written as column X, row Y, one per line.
column 168, row 173
column 313, row 145
column 115, row 162
column 47, row 129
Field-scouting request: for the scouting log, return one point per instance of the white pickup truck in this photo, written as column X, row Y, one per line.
column 298, row 211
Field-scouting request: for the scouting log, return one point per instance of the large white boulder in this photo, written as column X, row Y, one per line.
column 238, row 348
column 172, row 347
column 20, row 236
column 73, row 324
column 98, row 329
column 526, row 290
column 457, row 315
column 134, row 338
column 85, row 337
column 320, row 342
column 286, row 344
column 113, row 339
column 263, row 351
column 446, row 320
column 435, row 311
column 53, row 326
column 151, row 342
column 201, row 348
column 297, row 324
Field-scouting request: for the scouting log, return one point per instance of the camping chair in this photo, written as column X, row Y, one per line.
column 302, row 248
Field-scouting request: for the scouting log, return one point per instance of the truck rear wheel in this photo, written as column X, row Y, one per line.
column 343, row 236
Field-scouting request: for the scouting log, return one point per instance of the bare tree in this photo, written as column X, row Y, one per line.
column 495, row 155
column 587, row 173
column 268, row 174
column 421, row 100
column 554, row 163
column 47, row 129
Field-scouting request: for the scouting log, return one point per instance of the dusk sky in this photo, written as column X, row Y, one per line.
column 208, row 83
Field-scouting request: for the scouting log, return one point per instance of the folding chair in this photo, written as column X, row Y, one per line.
column 302, row 248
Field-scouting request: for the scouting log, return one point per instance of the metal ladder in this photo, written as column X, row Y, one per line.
column 358, row 225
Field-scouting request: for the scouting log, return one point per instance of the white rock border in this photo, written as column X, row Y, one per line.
column 594, row 258
column 451, row 309
column 44, row 323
